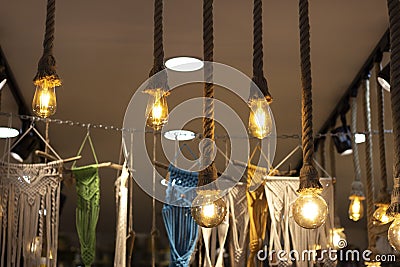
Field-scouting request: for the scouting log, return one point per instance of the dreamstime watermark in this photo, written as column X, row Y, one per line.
column 351, row 255
column 226, row 114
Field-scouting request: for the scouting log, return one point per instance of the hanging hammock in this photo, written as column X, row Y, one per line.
column 30, row 203
column 181, row 229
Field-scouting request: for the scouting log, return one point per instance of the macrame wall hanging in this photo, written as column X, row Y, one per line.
column 88, row 204
column 285, row 234
column 211, row 257
column 257, row 208
column 239, row 224
column 121, row 199
column 30, row 203
column 181, row 228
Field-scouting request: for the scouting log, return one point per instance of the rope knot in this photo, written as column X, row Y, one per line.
column 309, row 178
column 357, row 189
column 47, row 68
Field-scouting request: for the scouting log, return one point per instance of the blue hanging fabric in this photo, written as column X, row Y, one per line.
column 181, row 229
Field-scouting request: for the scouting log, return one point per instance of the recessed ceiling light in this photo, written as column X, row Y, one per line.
column 179, row 135
column 184, row 64
column 6, row 132
column 359, row 138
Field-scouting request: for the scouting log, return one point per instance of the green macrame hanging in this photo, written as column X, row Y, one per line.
column 88, row 205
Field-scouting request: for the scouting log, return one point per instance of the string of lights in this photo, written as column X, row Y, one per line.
column 101, row 126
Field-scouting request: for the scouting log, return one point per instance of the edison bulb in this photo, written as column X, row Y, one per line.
column 394, row 233
column 310, row 209
column 260, row 121
column 157, row 109
column 44, row 102
column 372, row 264
column 380, row 215
column 356, row 207
column 208, row 208
column 338, row 236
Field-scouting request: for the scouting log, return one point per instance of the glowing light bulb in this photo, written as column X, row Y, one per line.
column 208, row 208
column 260, row 121
column 157, row 108
column 380, row 215
column 338, row 238
column 372, row 264
column 356, row 208
column 310, row 209
column 44, row 102
column 394, row 233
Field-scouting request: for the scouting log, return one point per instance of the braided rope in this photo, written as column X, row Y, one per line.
column 258, row 54
column 47, row 63
column 394, row 20
column 384, row 197
column 369, row 163
column 308, row 174
column 160, row 80
column 353, row 126
column 209, row 173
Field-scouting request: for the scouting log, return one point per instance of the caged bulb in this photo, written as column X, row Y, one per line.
column 208, row 208
column 44, row 102
column 260, row 120
column 356, row 207
column 380, row 215
column 310, row 209
column 394, row 233
column 157, row 108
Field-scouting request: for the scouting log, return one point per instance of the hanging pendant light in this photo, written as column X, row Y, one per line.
column 260, row 119
column 44, row 102
column 309, row 187
column 356, row 207
column 208, row 208
column 157, row 108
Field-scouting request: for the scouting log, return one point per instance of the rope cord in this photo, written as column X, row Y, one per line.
column 308, row 173
column 353, row 125
column 369, row 164
column 384, row 197
column 47, row 63
column 160, row 80
column 209, row 173
column 394, row 27
column 258, row 54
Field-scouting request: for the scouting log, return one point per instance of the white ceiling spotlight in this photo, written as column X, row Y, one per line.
column 184, row 64
column 359, row 138
column 179, row 135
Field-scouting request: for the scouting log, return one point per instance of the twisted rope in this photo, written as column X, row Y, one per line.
column 369, row 163
column 384, row 197
column 394, row 26
column 47, row 63
column 258, row 55
column 353, row 129
column 209, row 173
column 308, row 174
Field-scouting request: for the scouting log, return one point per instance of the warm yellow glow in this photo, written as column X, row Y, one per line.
column 373, row 264
column 208, row 208
column 34, row 245
column 260, row 121
column 356, row 208
column 310, row 209
column 208, row 211
column 380, row 215
column 394, row 233
column 338, row 238
column 44, row 102
column 157, row 109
